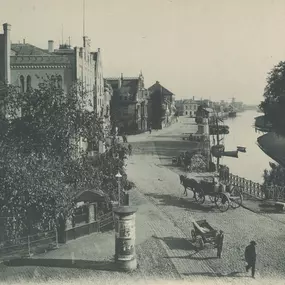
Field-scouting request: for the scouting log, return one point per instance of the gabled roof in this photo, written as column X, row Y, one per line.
column 130, row 83
column 158, row 86
column 27, row 49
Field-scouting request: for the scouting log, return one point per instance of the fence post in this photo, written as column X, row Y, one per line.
column 56, row 238
column 29, row 247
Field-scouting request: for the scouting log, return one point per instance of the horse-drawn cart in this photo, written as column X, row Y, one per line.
column 203, row 233
column 224, row 196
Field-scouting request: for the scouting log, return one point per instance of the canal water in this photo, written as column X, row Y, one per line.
column 251, row 164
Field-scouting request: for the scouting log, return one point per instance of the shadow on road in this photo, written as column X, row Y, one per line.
column 177, row 243
column 63, row 263
column 190, row 205
column 163, row 148
column 237, row 274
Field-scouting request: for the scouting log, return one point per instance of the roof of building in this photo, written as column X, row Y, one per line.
column 158, row 86
column 129, row 83
column 27, row 54
column 27, row 49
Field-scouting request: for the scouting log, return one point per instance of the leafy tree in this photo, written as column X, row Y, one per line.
column 47, row 121
column 39, row 171
column 273, row 104
column 275, row 175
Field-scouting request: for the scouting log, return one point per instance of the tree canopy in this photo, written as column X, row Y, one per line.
column 40, row 172
column 273, row 104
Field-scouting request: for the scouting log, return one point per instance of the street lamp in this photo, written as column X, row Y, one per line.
column 119, row 176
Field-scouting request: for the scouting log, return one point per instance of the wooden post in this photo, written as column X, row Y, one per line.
column 29, row 247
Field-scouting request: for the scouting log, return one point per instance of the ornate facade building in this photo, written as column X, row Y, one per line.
column 25, row 65
column 129, row 104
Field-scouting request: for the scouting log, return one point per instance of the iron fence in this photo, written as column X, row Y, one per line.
column 29, row 245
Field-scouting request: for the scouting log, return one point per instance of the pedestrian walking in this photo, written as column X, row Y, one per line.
column 130, row 149
column 219, row 243
column 250, row 257
column 149, row 130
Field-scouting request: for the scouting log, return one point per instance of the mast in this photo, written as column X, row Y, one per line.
column 218, row 141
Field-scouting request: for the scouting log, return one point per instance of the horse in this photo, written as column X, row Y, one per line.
column 189, row 183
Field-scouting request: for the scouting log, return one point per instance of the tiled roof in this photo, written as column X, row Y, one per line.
column 26, row 55
column 157, row 86
column 130, row 83
column 27, row 49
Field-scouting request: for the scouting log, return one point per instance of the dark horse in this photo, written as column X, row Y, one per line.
column 189, row 183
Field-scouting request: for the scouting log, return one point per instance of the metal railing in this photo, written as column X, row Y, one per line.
column 29, row 245
column 255, row 189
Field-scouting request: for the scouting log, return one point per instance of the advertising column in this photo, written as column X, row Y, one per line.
column 125, row 253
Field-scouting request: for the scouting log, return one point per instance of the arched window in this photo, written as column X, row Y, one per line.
column 22, row 82
column 53, row 80
column 29, row 81
column 59, row 81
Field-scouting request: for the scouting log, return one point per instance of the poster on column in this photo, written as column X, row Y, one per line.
column 126, row 229
column 126, row 248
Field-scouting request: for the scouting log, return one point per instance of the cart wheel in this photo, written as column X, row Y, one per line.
column 200, row 242
column 193, row 234
column 200, row 196
column 236, row 198
column 222, row 202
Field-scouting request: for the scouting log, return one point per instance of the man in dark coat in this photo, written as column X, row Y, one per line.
column 219, row 243
column 250, row 257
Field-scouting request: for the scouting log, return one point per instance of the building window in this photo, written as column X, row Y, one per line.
column 22, row 81
column 29, row 81
column 59, row 81
column 186, row 113
column 53, row 81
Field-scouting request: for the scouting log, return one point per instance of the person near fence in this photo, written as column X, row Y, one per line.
column 219, row 243
column 250, row 257
column 130, row 149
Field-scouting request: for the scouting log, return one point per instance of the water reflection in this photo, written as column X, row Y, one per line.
column 251, row 164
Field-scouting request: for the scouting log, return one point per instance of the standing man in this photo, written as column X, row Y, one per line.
column 250, row 257
column 219, row 242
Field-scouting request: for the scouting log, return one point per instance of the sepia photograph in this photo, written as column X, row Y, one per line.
column 142, row 142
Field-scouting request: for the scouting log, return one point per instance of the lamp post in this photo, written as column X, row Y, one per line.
column 119, row 176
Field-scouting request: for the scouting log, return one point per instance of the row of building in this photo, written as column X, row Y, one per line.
column 123, row 103
column 189, row 107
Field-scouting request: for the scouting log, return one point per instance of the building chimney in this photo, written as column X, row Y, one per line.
column 7, row 51
column 24, row 41
column 50, row 46
column 193, row 98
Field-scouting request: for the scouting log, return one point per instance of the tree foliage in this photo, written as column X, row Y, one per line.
column 40, row 172
column 275, row 175
column 273, row 104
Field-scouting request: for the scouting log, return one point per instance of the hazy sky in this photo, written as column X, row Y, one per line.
column 204, row 48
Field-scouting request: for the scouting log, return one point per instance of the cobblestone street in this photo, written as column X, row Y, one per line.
column 163, row 231
column 150, row 169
